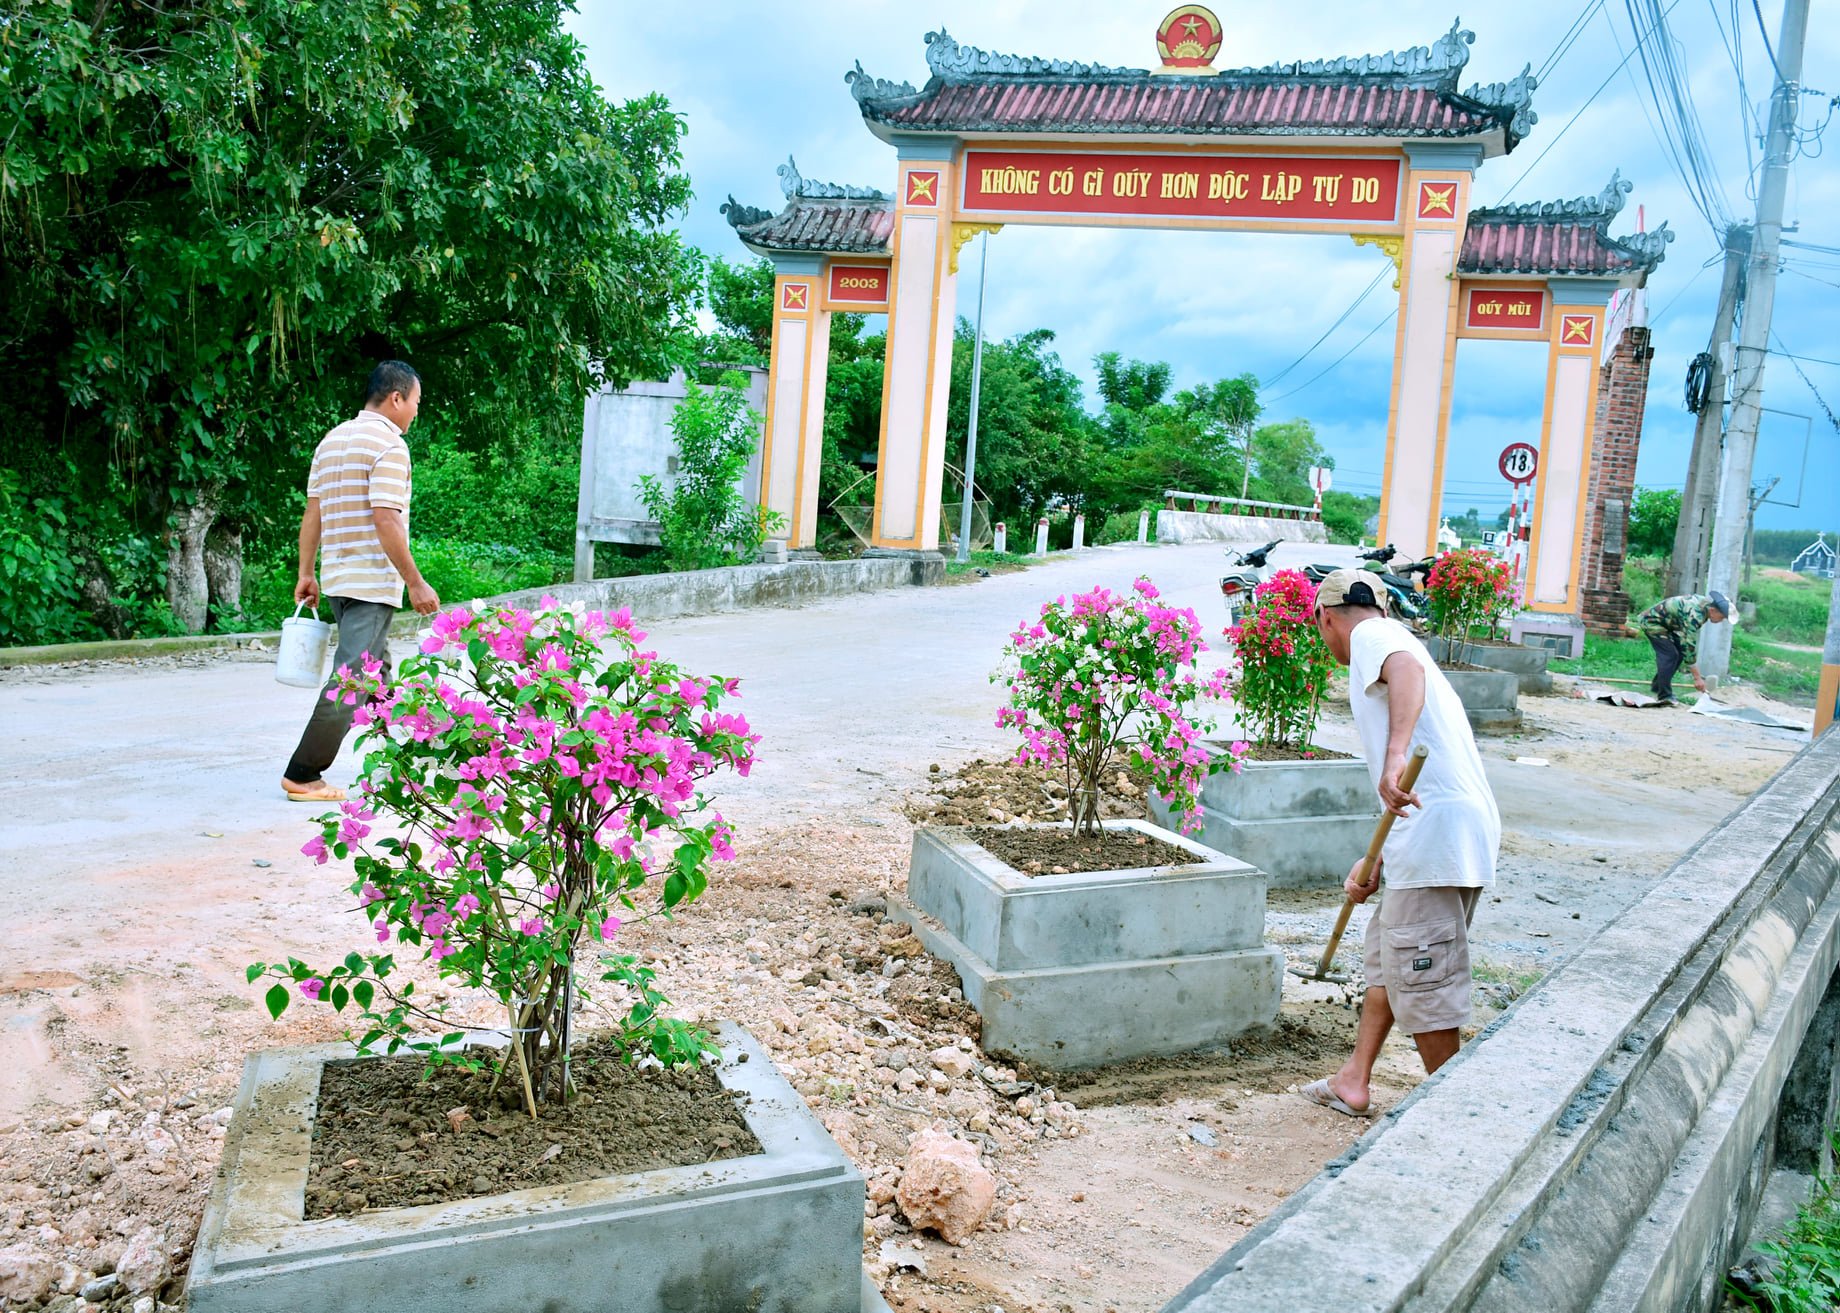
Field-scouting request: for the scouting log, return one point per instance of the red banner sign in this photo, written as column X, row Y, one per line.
column 859, row 284
column 1492, row 307
column 1321, row 188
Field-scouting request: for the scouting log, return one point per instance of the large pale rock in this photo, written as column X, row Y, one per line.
column 144, row 1265
column 26, row 1276
column 953, row 1061
column 944, row 1188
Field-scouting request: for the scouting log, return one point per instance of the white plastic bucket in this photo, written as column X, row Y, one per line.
column 300, row 661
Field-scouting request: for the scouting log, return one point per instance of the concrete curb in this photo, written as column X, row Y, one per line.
column 1602, row 1146
column 652, row 596
column 133, row 649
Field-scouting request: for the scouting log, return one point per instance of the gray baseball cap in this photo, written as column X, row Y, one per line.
column 1722, row 604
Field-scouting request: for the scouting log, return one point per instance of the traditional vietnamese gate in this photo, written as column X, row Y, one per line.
column 1381, row 148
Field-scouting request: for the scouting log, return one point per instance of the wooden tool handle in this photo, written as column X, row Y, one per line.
column 1414, row 764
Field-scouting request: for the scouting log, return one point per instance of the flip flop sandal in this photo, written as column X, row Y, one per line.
column 1319, row 1093
column 325, row 794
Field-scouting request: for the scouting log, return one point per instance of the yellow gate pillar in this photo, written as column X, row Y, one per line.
column 910, row 461
column 1433, row 207
column 793, row 439
column 1574, row 350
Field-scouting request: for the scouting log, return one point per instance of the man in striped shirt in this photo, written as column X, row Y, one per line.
column 357, row 524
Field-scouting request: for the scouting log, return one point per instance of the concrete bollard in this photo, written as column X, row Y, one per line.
column 1143, row 526
column 1041, row 536
column 1079, row 532
column 999, row 537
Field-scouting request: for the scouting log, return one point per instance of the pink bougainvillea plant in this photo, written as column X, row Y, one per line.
column 1281, row 666
column 1108, row 677
column 530, row 783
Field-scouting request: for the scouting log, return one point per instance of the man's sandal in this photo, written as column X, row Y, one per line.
column 1319, row 1093
column 320, row 792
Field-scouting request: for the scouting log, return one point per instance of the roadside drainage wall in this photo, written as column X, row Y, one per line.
column 1604, row 1145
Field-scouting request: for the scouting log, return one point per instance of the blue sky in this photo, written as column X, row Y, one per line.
column 757, row 82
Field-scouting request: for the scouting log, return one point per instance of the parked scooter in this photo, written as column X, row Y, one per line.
column 1236, row 588
column 1406, row 598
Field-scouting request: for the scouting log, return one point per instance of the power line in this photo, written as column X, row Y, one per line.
column 1390, row 316
column 1566, row 41
column 1767, row 47
column 1343, row 318
column 1796, row 364
column 1684, row 134
column 1582, row 108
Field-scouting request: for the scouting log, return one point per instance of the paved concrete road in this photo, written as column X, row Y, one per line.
column 123, row 765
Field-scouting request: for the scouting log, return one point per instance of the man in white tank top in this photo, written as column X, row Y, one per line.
column 1441, row 852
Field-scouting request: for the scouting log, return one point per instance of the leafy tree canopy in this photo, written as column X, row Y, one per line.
column 214, row 217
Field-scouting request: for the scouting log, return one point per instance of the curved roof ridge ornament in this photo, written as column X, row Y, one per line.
column 1439, row 64
column 1647, row 249
column 953, row 62
column 743, row 216
column 1516, row 95
column 1600, row 209
column 866, row 88
column 793, row 185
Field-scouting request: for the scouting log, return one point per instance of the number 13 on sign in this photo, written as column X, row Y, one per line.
column 1518, row 462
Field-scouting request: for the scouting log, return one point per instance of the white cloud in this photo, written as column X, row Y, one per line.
column 756, row 84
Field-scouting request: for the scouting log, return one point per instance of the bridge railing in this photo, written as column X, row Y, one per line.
column 1209, row 504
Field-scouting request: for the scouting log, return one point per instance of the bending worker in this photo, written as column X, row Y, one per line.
column 1672, row 625
column 1440, row 855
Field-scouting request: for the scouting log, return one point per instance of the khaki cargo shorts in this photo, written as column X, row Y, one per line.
column 1417, row 948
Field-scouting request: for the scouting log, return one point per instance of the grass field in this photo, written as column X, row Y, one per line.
column 1784, row 673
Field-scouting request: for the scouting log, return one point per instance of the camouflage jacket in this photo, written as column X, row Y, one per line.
column 1678, row 618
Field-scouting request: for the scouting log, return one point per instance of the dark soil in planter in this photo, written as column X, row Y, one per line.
column 1059, row 850
column 1273, row 752
column 981, row 792
column 1464, row 665
column 384, row 1136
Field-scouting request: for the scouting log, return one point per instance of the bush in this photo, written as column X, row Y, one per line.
column 533, row 776
column 1469, row 589
column 703, row 518
column 1804, row 1271
column 39, row 589
column 1791, row 612
column 1654, row 515
column 1107, row 676
column 1281, row 664
column 1644, row 581
column 1122, row 528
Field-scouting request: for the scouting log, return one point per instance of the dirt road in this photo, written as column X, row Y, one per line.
column 147, row 857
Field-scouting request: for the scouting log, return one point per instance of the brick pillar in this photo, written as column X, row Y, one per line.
column 1622, row 390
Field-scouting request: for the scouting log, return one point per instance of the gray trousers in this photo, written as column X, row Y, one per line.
column 364, row 630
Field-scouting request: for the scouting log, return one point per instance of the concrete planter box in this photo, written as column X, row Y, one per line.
column 1303, row 823
column 1528, row 663
column 1490, row 697
column 779, row 1231
column 1093, row 967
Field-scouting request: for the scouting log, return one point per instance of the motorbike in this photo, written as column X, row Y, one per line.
column 1406, row 597
column 1253, row 568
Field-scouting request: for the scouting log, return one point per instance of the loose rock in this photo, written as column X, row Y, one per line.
column 144, row 1265
column 25, row 1274
column 944, row 1187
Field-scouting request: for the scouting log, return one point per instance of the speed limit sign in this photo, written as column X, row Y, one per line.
column 1518, row 462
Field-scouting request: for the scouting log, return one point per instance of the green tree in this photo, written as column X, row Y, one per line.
column 740, row 296
column 1033, row 432
column 1654, row 514
column 703, row 518
column 215, row 217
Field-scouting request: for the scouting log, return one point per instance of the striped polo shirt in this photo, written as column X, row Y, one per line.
column 361, row 464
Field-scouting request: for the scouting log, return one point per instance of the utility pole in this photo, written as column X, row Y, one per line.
column 977, row 378
column 1693, row 539
column 1728, row 530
